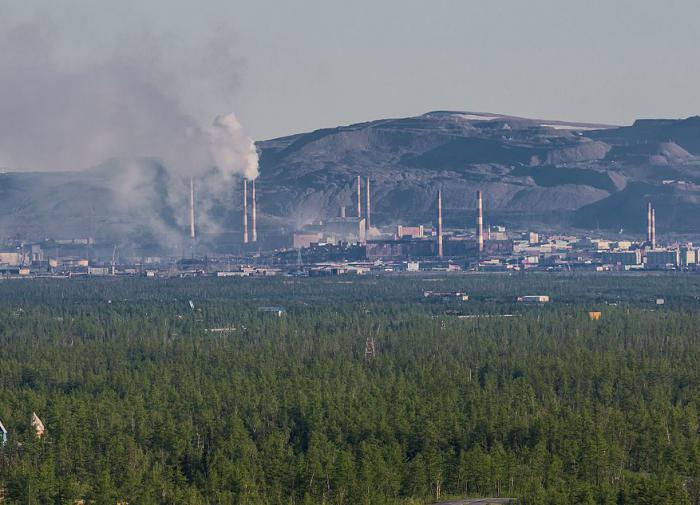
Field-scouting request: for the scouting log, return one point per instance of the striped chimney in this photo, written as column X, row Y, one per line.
column 479, row 221
column 245, row 211
column 254, row 215
column 439, row 223
column 192, row 231
column 368, row 210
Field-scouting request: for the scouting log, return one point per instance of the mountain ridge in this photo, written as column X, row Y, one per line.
column 533, row 172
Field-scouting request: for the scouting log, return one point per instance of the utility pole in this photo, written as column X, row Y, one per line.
column 370, row 344
column 439, row 223
column 114, row 260
column 370, row 349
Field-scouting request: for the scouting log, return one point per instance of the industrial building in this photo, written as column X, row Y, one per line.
column 333, row 230
column 278, row 311
column 306, row 239
column 350, row 244
column 344, row 228
column 400, row 249
column 403, row 232
column 534, row 299
column 688, row 256
column 663, row 259
column 11, row 257
column 622, row 258
column 447, row 296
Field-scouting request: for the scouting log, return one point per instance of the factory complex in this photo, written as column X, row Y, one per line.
column 350, row 243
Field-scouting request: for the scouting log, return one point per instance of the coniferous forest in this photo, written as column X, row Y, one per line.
column 150, row 399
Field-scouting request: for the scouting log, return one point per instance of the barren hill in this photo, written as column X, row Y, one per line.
column 532, row 172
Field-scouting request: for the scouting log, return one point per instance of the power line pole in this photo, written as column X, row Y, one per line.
column 370, row 349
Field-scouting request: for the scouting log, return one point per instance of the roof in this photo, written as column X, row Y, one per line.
column 36, row 422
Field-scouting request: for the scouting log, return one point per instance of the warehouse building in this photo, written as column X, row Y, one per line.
column 622, row 258
column 663, row 259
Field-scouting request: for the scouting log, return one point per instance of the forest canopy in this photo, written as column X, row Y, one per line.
column 150, row 399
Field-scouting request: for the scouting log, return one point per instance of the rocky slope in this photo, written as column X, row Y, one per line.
column 532, row 172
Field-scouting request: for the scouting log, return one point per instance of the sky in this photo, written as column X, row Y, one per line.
column 287, row 67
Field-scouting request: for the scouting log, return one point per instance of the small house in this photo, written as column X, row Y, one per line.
column 534, row 299
column 278, row 311
column 38, row 426
column 3, row 435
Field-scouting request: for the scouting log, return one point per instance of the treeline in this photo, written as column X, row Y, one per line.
column 149, row 401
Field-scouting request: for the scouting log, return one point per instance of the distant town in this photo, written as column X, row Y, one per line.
column 351, row 244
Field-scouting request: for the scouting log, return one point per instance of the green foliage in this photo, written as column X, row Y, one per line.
column 148, row 401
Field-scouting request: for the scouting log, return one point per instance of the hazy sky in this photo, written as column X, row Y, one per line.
column 292, row 66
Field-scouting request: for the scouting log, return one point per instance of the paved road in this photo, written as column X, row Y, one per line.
column 478, row 501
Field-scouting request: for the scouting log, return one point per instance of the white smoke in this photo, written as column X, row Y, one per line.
column 231, row 149
column 126, row 104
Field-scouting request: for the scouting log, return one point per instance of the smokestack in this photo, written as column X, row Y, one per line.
column 342, row 211
column 368, row 210
column 192, row 233
column 479, row 221
column 439, row 223
column 653, row 228
column 255, row 229
column 359, row 197
column 649, row 224
column 245, row 211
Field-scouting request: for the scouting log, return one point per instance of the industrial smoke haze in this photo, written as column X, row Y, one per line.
column 231, row 149
column 126, row 105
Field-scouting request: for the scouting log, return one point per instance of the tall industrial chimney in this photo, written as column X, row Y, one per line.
column 479, row 221
column 245, row 211
column 368, row 210
column 253, row 215
column 653, row 228
column 359, row 197
column 192, row 232
column 649, row 223
column 439, row 223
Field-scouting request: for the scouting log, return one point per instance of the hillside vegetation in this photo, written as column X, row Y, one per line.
column 149, row 401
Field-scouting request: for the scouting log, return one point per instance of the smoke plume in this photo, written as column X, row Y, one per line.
column 127, row 102
column 232, row 151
